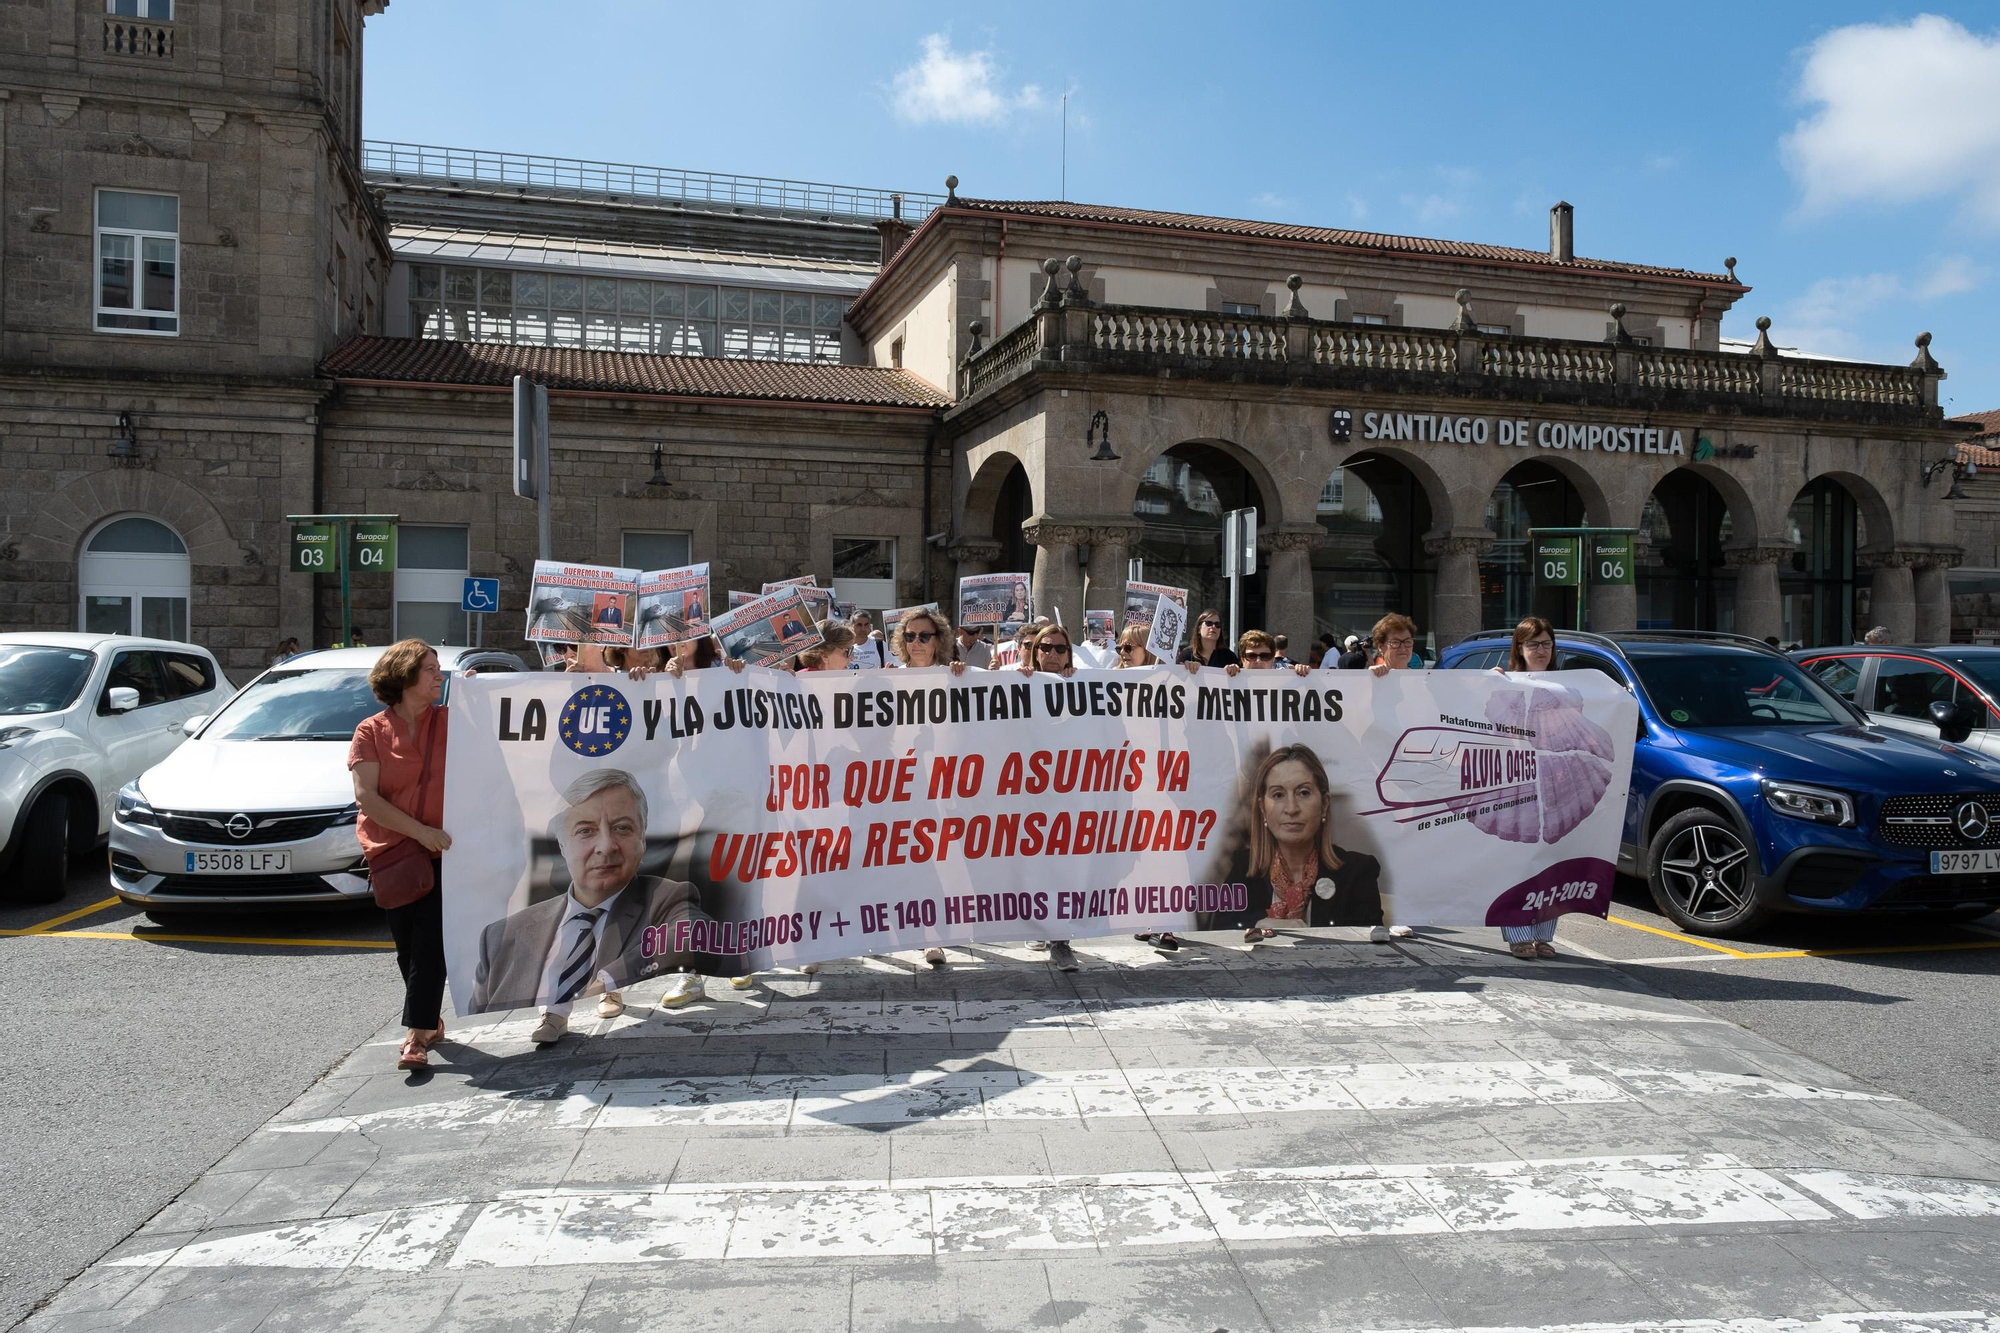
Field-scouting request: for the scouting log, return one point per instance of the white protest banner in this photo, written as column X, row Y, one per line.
column 581, row 603
column 737, row 822
column 1163, row 636
column 673, row 606
column 995, row 599
column 768, row 629
column 1087, row 654
column 1141, row 598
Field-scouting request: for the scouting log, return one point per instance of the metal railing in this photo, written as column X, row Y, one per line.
column 569, row 177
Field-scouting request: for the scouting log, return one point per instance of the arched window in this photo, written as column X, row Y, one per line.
column 134, row 579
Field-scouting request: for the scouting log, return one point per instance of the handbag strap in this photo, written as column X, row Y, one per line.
column 430, row 734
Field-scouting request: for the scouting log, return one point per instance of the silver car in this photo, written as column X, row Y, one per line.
column 257, row 808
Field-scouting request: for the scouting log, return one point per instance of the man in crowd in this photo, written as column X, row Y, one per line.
column 973, row 650
column 870, row 652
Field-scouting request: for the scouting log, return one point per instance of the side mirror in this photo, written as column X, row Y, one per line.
column 121, row 698
column 1954, row 721
column 193, row 724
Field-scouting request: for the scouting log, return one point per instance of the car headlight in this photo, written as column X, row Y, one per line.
column 132, row 807
column 8, row 735
column 1819, row 804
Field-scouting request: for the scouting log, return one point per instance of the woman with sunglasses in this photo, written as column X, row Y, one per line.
column 1048, row 648
column 1534, row 650
column 1207, row 648
column 1132, row 653
column 923, row 639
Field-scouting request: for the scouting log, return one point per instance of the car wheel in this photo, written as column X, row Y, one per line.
column 1702, row 875
column 43, row 864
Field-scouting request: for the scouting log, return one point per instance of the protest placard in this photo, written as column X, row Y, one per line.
column 1099, row 628
column 737, row 598
column 769, row 628
column 673, row 606
column 1163, row 635
column 766, row 818
column 1141, row 598
column 581, row 603
column 995, row 599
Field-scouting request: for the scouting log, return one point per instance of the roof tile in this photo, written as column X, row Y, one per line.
column 1360, row 240
column 431, row 361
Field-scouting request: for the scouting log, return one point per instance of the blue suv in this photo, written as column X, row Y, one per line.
column 1755, row 789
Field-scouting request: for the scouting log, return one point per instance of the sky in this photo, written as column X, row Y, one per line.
column 1848, row 155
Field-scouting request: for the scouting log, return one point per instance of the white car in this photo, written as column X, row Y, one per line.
column 81, row 715
column 257, row 809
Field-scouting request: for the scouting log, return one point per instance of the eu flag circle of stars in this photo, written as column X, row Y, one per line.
column 590, row 743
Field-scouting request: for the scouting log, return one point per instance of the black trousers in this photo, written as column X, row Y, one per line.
column 418, row 930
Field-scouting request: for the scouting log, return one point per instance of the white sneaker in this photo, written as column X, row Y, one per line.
column 810, row 969
column 934, row 956
column 610, row 1004
column 681, row 987
column 549, row 1029
column 1401, row 933
column 1379, row 935
column 742, row 983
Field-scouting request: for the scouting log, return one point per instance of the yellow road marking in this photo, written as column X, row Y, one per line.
column 1760, row 954
column 163, row 938
column 45, row 926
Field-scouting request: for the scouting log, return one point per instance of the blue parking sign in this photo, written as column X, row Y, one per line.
column 480, row 595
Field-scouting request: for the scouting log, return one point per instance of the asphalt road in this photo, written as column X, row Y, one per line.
column 136, row 1064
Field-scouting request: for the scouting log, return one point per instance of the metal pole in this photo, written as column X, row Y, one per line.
column 478, row 629
column 544, row 517
column 346, row 602
column 1235, row 607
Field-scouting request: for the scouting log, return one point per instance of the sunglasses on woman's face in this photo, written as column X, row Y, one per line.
column 1051, row 647
column 923, row 635
column 1259, row 657
column 1125, row 648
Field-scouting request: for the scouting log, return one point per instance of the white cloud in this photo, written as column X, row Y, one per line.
column 1827, row 318
column 1273, row 202
column 1357, row 208
column 1951, row 275
column 1431, row 208
column 1903, row 112
column 957, row 88
column 1661, row 162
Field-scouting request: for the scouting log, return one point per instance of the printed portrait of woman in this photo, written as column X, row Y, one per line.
column 1291, row 858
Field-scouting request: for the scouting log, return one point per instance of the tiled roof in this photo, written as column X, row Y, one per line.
column 429, row 361
column 1983, row 448
column 1359, row 240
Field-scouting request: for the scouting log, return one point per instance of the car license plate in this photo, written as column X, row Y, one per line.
column 1985, row 861
column 243, row 862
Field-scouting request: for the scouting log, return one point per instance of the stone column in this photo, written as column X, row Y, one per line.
column 1757, row 611
column 1891, row 597
column 1613, row 607
column 1933, row 597
column 972, row 555
column 1058, row 577
column 1111, row 543
column 1455, row 599
column 1288, row 583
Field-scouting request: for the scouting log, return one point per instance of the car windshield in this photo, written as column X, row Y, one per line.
column 41, row 680
column 1984, row 668
column 1707, row 687
column 309, row 705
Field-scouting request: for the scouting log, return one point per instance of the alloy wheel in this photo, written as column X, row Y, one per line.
column 1705, row 869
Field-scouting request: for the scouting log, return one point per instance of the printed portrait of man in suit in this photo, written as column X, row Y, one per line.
column 589, row 939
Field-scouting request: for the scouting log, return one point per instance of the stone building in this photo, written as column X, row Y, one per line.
column 218, row 307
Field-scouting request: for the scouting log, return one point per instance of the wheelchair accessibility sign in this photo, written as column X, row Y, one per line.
column 480, row 596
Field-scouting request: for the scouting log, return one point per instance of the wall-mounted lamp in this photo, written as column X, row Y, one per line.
column 1099, row 421
column 125, row 444
column 659, row 477
column 1959, row 472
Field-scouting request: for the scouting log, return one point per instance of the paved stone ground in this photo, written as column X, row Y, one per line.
column 1314, row 1134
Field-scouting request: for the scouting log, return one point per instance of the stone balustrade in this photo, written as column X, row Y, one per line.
column 1074, row 335
column 138, row 37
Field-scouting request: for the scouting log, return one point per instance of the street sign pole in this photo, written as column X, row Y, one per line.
column 346, row 586
column 544, row 500
column 1239, row 558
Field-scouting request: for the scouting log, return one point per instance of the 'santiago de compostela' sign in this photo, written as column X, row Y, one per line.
column 1520, row 432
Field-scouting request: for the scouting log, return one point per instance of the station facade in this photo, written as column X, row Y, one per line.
column 219, row 307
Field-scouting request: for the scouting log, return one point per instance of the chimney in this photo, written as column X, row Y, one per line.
column 1562, row 233
column 894, row 231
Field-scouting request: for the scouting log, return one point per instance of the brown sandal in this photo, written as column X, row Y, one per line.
column 1543, row 949
column 414, row 1055
column 1525, row 949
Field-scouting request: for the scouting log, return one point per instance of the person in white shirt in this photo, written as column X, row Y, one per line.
column 973, row 650
column 870, row 652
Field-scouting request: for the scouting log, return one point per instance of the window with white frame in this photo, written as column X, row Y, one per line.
column 657, row 550
column 431, row 567
column 162, row 10
column 1368, row 319
column 1241, row 308
column 1497, row 330
column 864, row 571
column 138, row 262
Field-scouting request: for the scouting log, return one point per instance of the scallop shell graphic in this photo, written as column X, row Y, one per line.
column 1573, row 757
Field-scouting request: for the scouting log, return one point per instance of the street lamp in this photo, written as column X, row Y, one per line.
column 125, row 444
column 1959, row 472
column 1099, row 421
column 659, row 477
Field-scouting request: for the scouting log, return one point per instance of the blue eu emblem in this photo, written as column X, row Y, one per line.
column 595, row 721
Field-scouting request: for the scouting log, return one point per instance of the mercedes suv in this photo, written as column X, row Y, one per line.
column 1756, row 789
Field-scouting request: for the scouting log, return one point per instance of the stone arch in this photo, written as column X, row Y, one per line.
column 59, row 526
column 1744, row 519
column 982, row 491
column 1877, row 521
column 1443, row 514
column 1270, row 495
column 1597, row 506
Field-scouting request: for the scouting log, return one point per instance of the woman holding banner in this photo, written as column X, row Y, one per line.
column 1132, row 653
column 1534, row 650
column 1207, row 649
column 1048, row 648
column 397, row 759
column 1291, row 864
column 923, row 639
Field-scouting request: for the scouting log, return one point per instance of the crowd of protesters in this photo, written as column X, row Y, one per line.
column 397, row 762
